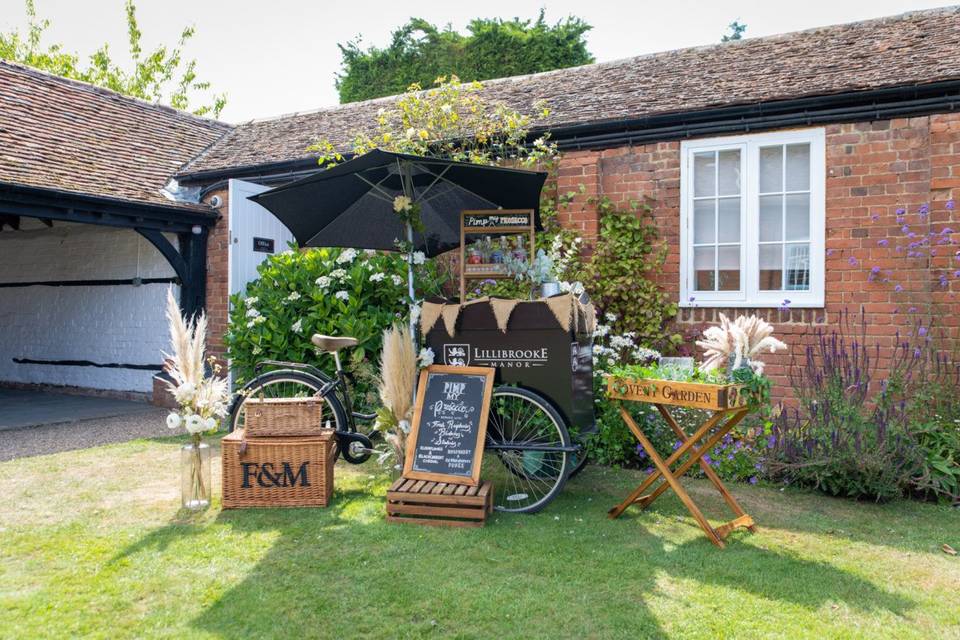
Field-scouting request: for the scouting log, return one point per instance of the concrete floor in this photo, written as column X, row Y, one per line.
column 34, row 423
column 20, row 409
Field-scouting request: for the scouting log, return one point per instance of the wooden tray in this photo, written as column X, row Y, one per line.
column 698, row 395
column 439, row 503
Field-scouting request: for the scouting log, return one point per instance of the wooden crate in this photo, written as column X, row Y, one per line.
column 277, row 472
column 718, row 397
column 282, row 417
column 439, row 503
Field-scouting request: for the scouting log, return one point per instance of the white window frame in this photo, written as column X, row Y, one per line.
column 749, row 294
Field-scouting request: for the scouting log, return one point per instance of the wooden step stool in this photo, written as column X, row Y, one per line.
column 439, row 503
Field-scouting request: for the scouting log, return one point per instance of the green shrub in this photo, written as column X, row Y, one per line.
column 328, row 291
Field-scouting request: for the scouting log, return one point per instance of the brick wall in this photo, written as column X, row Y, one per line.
column 218, row 267
column 872, row 168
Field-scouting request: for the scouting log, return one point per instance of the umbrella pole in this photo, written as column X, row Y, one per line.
column 410, row 291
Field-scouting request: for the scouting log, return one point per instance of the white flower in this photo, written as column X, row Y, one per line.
column 293, row 296
column 411, row 132
column 601, row 330
column 347, row 256
column 210, row 424
column 253, row 313
column 415, row 313
column 323, row 282
column 338, row 274
column 194, row 424
column 610, row 317
column 342, row 295
column 377, row 277
column 370, row 252
column 259, row 320
column 185, row 393
column 419, row 257
column 250, row 325
column 397, row 280
column 251, row 301
column 448, row 108
column 297, row 327
column 174, row 421
column 425, row 358
column 401, row 203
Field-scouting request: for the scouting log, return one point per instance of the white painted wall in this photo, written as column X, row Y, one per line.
column 103, row 324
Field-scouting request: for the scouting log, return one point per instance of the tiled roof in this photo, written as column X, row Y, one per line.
column 71, row 136
column 914, row 48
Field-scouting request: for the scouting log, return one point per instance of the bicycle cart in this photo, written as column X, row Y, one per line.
column 542, row 409
column 544, row 391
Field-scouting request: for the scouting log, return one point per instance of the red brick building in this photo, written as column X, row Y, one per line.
column 774, row 168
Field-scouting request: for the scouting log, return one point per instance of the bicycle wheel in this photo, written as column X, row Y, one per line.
column 527, row 450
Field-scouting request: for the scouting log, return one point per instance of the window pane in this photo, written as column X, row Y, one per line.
column 729, row 223
column 798, row 167
column 771, row 169
column 771, row 267
column 703, row 221
column 771, row 218
column 704, row 174
column 729, row 268
column 798, row 267
column 729, row 176
column 798, row 217
column 703, row 266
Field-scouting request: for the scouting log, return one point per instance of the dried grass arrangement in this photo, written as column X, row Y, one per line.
column 398, row 376
column 737, row 343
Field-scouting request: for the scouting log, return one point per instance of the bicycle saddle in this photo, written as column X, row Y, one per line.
column 332, row 344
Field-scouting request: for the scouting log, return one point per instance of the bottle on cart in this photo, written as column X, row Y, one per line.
column 496, row 254
column 519, row 253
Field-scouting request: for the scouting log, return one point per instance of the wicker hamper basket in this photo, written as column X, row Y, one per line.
column 281, row 417
column 278, row 472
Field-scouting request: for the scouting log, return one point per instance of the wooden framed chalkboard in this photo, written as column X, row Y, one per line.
column 449, row 424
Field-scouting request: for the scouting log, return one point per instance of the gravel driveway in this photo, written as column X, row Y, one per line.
column 53, row 438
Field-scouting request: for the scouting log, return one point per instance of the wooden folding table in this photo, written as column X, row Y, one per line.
column 728, row 404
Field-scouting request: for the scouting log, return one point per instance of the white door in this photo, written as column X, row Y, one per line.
column 255, row 234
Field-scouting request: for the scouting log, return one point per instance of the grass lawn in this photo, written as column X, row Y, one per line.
column 93, row 545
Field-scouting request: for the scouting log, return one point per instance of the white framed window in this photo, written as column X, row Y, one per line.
column 752, row 220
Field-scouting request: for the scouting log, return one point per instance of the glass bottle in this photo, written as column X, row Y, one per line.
column 195, row 486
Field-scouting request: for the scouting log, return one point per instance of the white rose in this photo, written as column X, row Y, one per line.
column 184, row 393
column 210, row 424
column 174, row 421
column 194, row 424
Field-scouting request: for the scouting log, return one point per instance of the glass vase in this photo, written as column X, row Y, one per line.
column 195, row 485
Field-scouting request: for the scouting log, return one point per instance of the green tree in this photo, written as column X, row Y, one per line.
column 737, row 29
column 419, row 52
column 161, row 75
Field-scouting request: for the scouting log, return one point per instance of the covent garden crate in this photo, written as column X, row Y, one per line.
column 696, row 395
column 278, row 472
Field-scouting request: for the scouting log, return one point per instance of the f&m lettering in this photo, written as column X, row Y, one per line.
column 267, row 475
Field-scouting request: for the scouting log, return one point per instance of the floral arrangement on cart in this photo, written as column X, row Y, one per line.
column 202, row 396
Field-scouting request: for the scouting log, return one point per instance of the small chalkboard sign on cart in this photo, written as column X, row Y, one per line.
column 449, row 424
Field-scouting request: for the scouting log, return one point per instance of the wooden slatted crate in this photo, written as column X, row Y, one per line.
column 439, row 503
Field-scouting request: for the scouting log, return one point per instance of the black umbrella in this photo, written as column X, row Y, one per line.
column 351, row 204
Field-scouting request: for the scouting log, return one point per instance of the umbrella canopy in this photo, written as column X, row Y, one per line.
column 351, row 204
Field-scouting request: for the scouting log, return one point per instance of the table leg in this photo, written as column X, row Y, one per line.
column 697, row 453
column 707, row 469
column 650, row 479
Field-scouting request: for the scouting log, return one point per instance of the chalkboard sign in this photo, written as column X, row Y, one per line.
column 449, row 424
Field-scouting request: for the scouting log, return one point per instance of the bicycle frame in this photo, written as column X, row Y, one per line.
column 338, row 386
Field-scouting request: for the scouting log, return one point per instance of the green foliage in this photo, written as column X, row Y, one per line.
column 737, row 29
column 295, row 296
column 419, row 52
column 620, row 275
column 161, row 75
column 450, row 120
